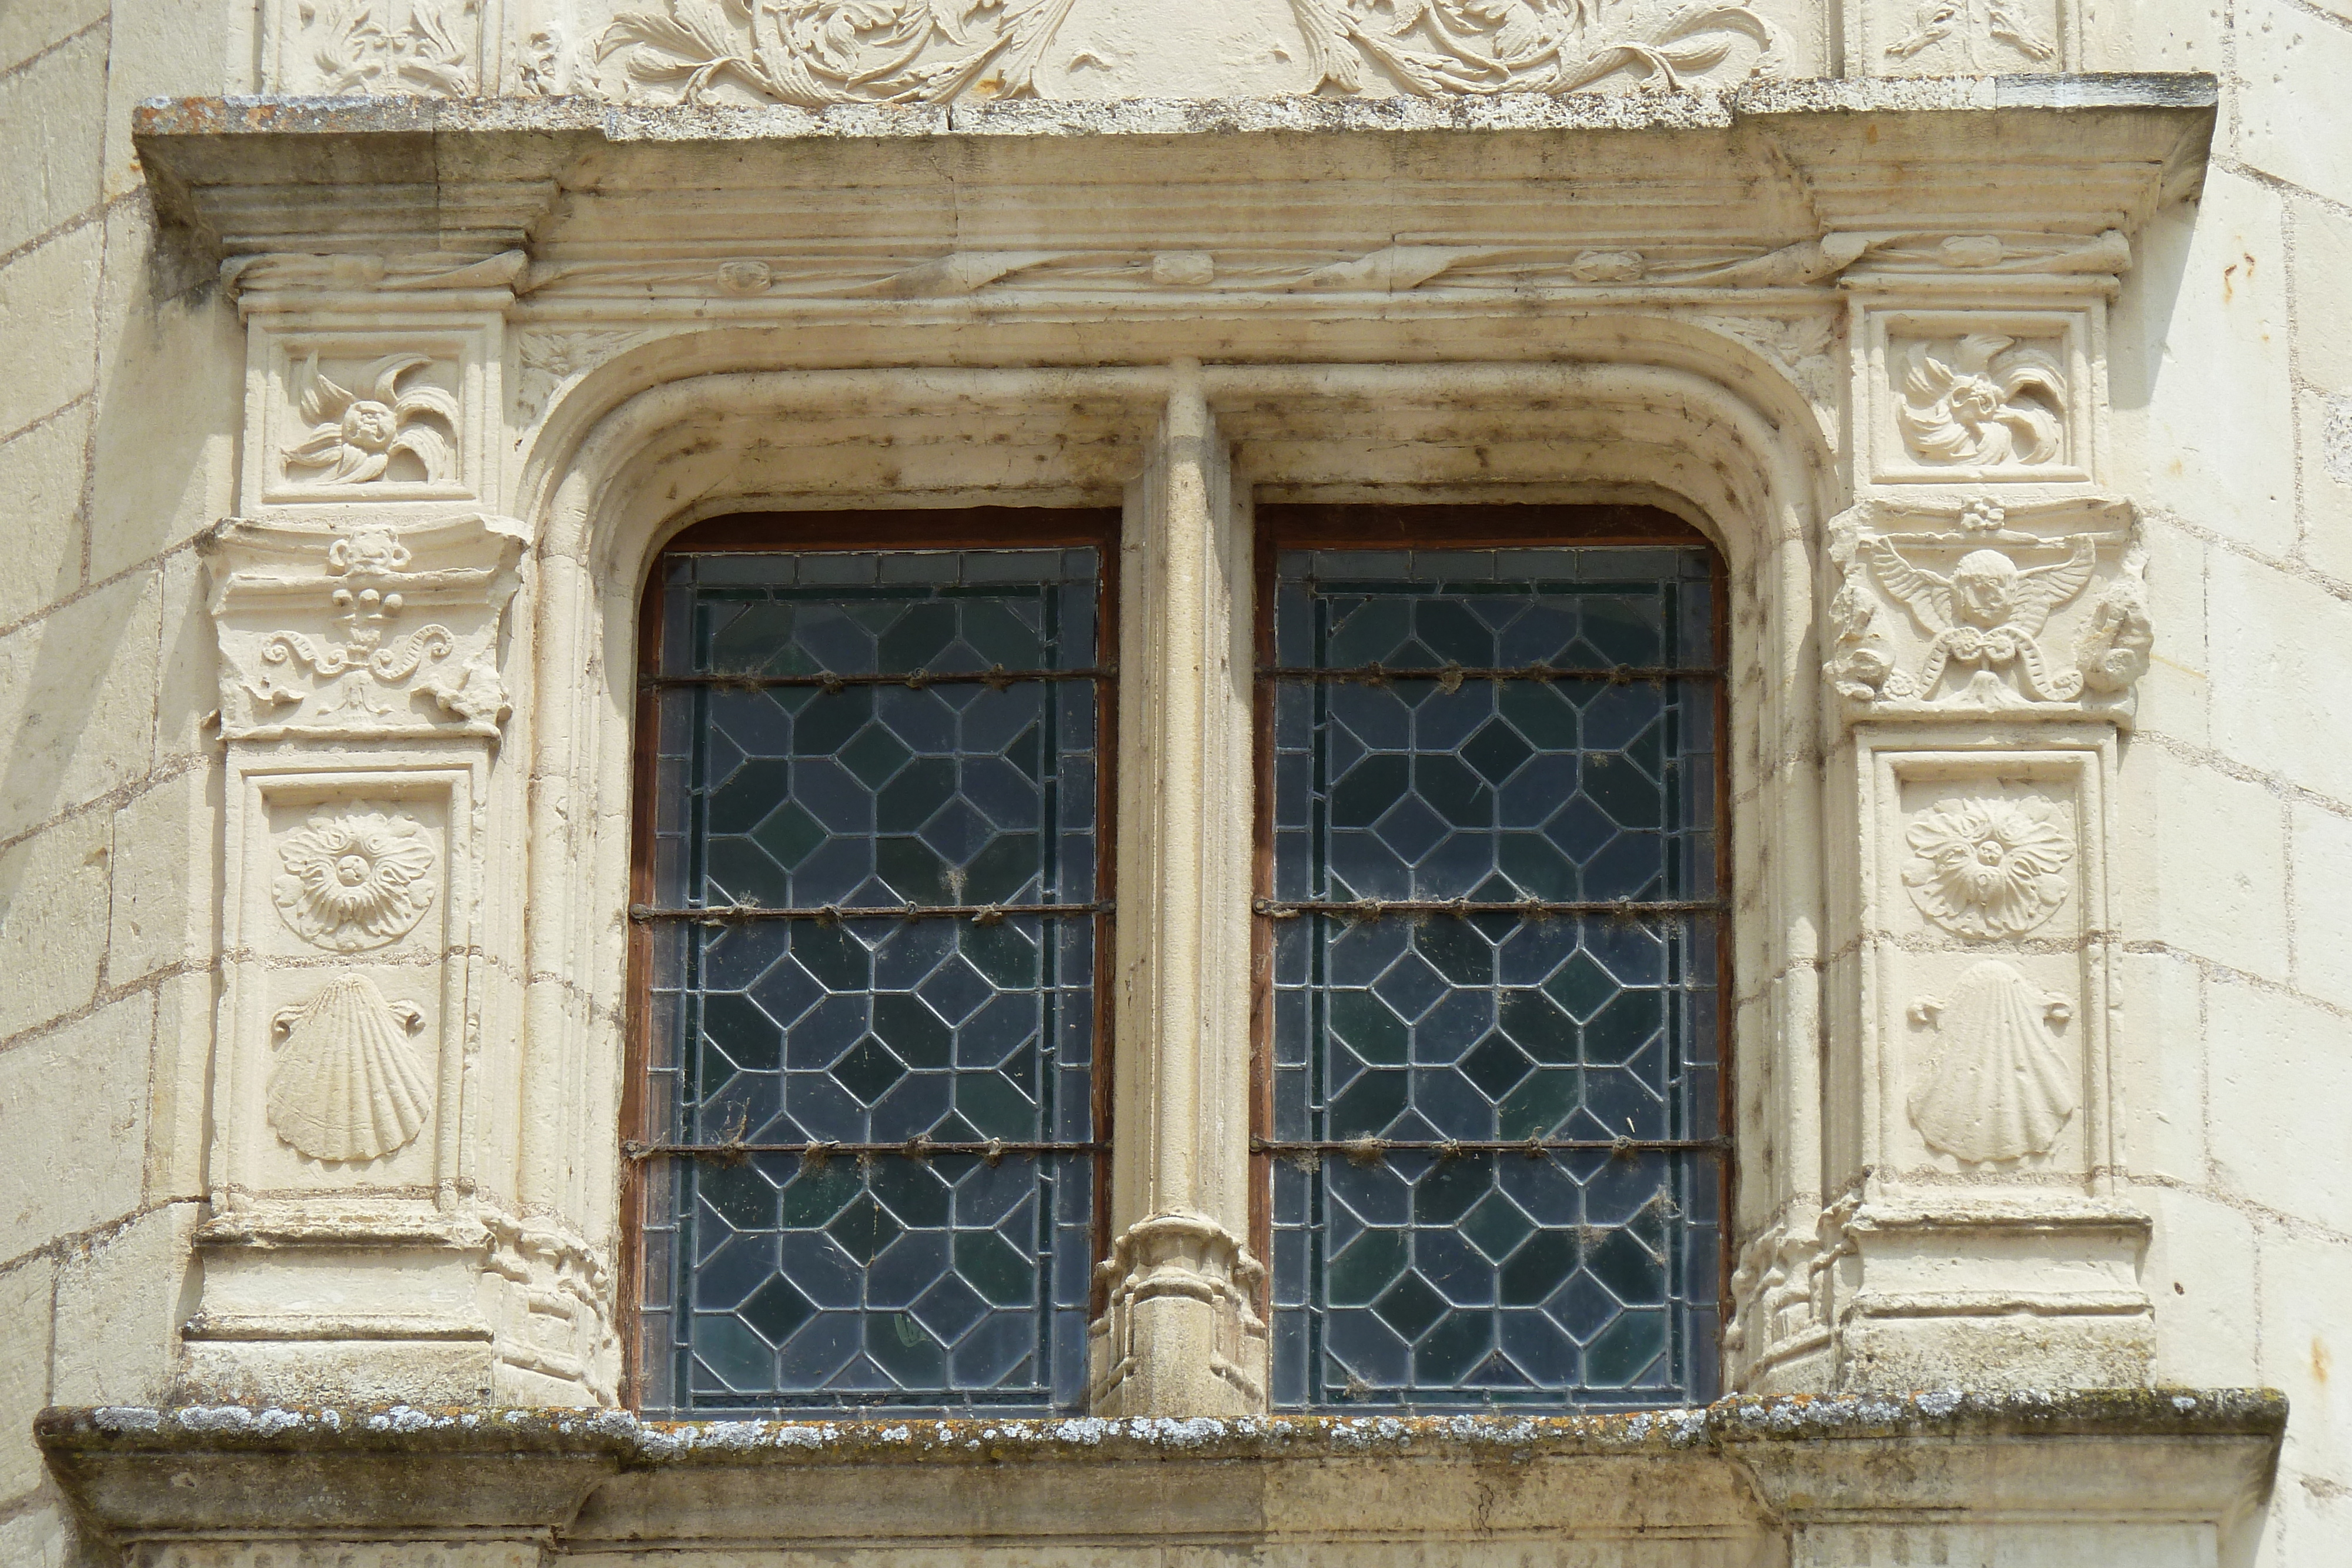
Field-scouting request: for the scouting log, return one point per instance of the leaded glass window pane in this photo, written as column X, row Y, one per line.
column 838, row 1000
column 1531, row 732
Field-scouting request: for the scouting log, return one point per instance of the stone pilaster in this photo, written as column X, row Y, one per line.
column 1180, row 1334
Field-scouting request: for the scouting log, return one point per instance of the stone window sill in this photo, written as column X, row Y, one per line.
column 2160, row 1474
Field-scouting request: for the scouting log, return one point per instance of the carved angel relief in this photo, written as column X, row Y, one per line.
column 1997, row 1087
column 1985, row 402
column 354, row 881
column 1984, row 618
column 347, row 1084
column 393, row 432
column 1988, row 868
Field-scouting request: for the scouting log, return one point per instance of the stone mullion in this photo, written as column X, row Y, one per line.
column 1179, row 1334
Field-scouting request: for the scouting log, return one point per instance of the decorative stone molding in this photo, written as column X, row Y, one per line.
column 813, row 53
column 367, row 633
column 1976, row 609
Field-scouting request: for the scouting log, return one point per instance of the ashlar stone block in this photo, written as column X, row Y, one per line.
column 57, row 109
column 78, row 1178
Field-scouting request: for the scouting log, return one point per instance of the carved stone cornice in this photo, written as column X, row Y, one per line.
column 1774, row 185
column 367, row 633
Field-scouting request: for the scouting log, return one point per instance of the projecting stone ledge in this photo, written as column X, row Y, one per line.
column 2155, row 1477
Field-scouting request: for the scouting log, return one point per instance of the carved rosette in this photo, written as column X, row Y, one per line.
column 1989, row 868
column 365, row 631
column 355, row 880
column 1940, row 613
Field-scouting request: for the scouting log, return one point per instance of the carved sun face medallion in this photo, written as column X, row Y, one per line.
column 1988, row 868
column 354, row 881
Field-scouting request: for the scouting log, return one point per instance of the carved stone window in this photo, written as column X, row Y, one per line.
column 870, row 1040
column 1494, row 929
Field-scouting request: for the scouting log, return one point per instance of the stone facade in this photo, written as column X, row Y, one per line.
column 368, row 350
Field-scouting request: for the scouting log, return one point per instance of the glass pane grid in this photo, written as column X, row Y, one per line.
column 1427, row 1280
column 872, row 1277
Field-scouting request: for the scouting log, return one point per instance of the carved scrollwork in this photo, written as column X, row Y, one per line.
column 339, row 634
column 1440, row 47
column 355, row 437
column 1966, row 27
column 813, row 53
column 357, row 49
column 1983, row 401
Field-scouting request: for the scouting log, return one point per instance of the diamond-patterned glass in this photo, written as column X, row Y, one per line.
column 837, row 1278
column 1443, row 1278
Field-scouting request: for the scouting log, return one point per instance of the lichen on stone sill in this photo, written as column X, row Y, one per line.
column 619, row 1437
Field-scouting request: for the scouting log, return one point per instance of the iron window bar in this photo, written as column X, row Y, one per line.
column 1462, row 908
column 834, row 914
column 916, row 1148
column 1450, row 676
column 997, row 677
column 1367, row 1149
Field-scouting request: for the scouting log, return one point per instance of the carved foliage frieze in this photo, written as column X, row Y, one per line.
column 814, row 53
column 362, row 632
column 1938, row 611
column 1440, row 47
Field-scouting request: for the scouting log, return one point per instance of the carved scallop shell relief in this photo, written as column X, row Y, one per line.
column 347, row 1084
column 1989, row 868
column 1997, row 1087
column 355, row 881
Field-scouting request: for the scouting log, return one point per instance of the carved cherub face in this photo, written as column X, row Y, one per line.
column 370, row 425
column 1984, row 588
column 1975, row 400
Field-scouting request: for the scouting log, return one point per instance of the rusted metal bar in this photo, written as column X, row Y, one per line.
column 995, row 678
column 832, row 914
column 1450, row 676
column 1529, row 908
column 1369, row 1148
column 916, row 1148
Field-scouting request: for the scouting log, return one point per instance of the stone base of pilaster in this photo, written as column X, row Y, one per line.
column 1180, row 1334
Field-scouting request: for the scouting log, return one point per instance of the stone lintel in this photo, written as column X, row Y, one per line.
column 1742, row 1469
column 1770, row 163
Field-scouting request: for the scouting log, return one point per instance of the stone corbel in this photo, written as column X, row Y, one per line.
column 2031, row 612
column 1179, row 1332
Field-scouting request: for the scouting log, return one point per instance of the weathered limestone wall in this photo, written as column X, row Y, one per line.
column 119, row 406
column 2231, row 377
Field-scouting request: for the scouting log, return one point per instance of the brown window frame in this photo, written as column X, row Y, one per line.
column 1281, row 525
column 797, row 532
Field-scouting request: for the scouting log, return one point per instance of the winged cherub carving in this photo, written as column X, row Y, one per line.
column 1985, row 402
column 355, row 437
column 1988, row 617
